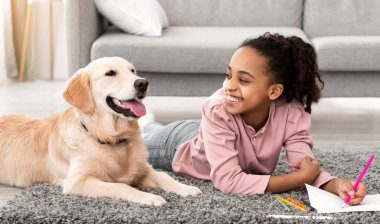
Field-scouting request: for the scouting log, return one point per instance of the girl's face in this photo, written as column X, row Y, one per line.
column 247, row 85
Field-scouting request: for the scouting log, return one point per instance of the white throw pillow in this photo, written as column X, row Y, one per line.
column 140, row 17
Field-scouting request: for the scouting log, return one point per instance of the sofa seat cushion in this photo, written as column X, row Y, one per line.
column 182, row 49
column 348, row 53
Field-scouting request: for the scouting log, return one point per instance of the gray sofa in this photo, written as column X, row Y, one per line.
column 191, row 56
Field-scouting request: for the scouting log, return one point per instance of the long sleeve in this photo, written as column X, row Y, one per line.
column 219, row 142
column 298, row 142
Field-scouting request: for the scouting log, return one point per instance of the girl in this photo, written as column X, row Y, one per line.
column 264, row 105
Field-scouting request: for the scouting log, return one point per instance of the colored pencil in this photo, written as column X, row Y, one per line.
column 296, row 202
column 291, row 203
column 282, row 203
column 301, row 217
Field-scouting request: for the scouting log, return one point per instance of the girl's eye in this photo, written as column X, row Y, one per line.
column 243, row 81
column 228, row 76
column 110, row 73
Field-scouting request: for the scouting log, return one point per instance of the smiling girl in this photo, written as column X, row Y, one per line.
column 263, row 107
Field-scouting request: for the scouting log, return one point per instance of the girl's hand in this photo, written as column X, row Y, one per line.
column 344, row 187
column 309, row 168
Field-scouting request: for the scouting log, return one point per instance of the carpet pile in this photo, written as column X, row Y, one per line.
column 45, row 203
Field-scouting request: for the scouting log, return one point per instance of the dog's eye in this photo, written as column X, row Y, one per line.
column 133, row 71
column 110, row 73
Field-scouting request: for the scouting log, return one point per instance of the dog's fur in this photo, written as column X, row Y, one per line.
column 78, row 148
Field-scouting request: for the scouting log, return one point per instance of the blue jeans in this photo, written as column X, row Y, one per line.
column 162, row 141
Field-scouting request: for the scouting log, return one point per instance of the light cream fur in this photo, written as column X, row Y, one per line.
column 58, row 150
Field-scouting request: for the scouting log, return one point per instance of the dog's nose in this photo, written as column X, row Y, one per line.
column 141, row 84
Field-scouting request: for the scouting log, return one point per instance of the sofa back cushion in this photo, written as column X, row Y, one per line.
column 341, row 17
column 233, row 12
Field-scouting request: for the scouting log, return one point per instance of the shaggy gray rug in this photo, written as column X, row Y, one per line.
column 44, row 203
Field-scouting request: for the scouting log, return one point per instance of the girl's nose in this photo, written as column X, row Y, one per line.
column 229, row 85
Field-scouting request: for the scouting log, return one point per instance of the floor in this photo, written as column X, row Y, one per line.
column 351, row 124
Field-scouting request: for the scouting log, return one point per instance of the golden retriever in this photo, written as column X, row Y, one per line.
column 93, row 148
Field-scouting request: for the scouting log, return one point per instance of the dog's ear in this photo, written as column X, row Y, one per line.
column 78, row 92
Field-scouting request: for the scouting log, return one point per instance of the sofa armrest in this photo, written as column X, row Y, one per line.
column 83, row 26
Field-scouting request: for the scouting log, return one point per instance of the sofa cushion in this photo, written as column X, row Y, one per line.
column 341, row 17
column 140, row 17
column 348, row 53
column 181, row 49
column 233, row 12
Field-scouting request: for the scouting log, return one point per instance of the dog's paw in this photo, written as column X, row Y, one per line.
column 149, row 199
column 187, row 190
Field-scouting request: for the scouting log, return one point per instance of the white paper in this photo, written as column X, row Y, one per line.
column 326, row 202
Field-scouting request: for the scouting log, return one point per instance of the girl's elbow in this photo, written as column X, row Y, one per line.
column 224, row 189
column 230, row 187
column 223, row 186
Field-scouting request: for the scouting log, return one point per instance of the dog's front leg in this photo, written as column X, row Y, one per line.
column 159, row 179
column 89, row 186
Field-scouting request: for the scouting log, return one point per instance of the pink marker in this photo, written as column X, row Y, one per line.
column 359, row 179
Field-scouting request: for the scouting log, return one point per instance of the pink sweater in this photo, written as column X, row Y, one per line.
column 235, row 157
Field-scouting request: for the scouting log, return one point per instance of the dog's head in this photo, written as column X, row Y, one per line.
column 108, row 84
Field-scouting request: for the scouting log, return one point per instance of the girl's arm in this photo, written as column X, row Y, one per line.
column 278, row 184
column 298, row 142
column 308, row 171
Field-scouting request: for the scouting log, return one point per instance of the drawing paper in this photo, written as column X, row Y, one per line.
column 326, row 202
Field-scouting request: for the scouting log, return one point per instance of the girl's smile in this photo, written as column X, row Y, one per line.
column 233, row 100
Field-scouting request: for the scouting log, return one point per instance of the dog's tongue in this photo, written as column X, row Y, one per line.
column 137, row 108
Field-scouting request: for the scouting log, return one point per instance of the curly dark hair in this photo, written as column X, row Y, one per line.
column 293, row 63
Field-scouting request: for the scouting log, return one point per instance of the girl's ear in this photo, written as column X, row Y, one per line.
column 79, row 93
column 275, row 91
